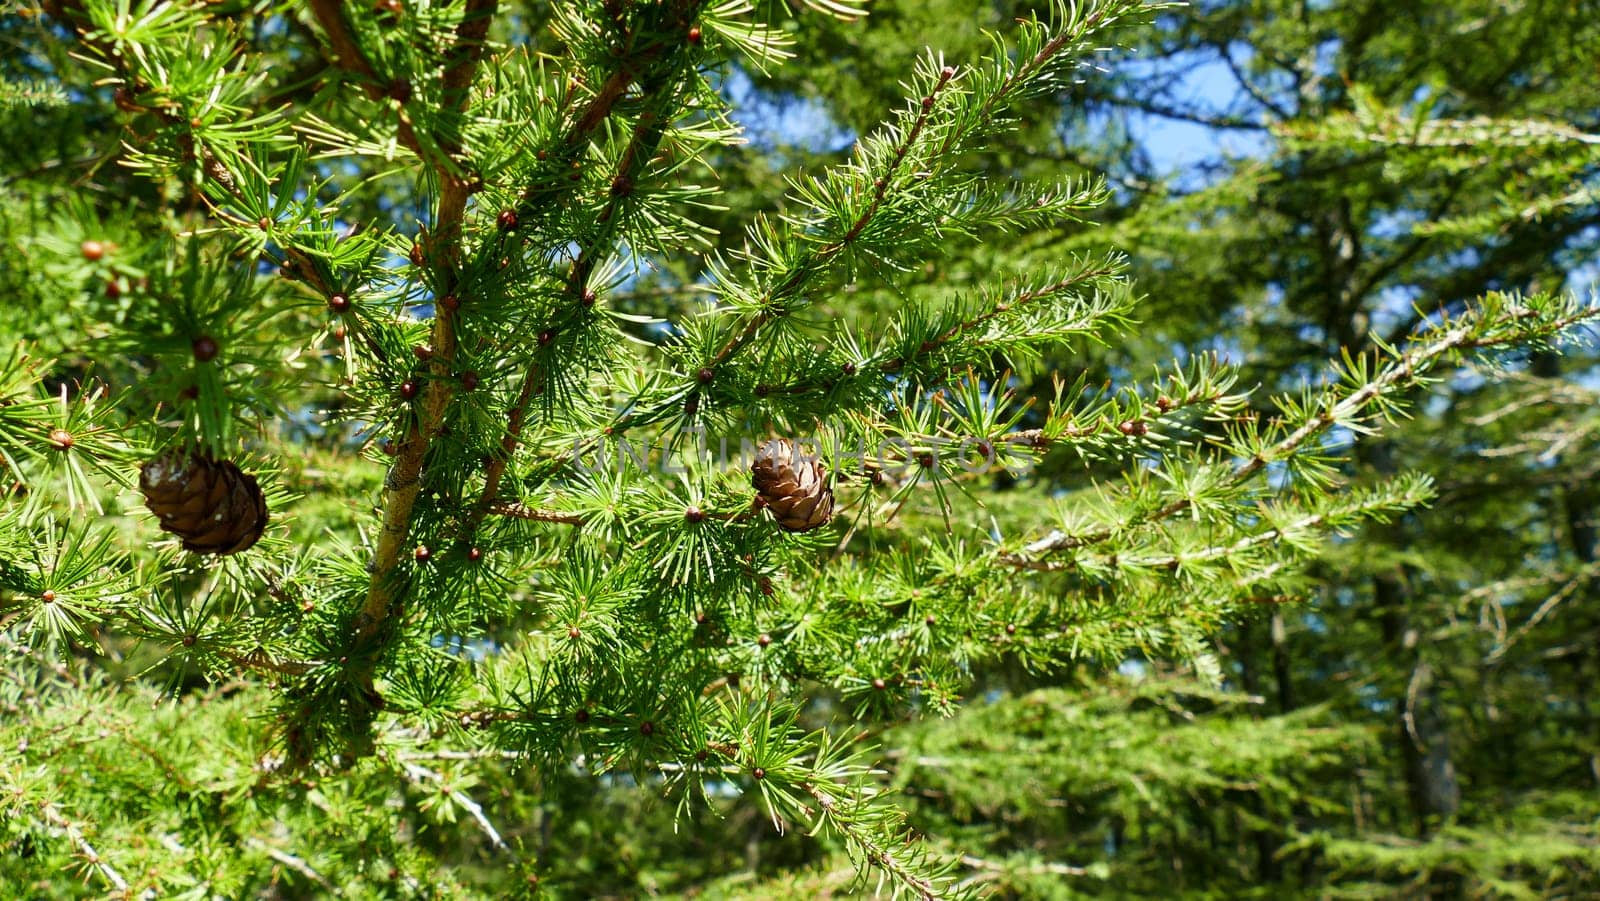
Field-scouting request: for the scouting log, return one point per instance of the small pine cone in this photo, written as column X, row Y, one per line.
column 212, row 505
column 794, row 487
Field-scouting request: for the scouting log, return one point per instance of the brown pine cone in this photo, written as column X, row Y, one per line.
column 211, row 504
column 795, row 487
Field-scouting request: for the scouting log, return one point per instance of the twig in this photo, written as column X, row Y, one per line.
column 404, row 482
column 641, row 147
column 54, row 816
column 294, row 863
column 828, row 251
column 418, row 773
column 1407, row 367
column 1053, row 869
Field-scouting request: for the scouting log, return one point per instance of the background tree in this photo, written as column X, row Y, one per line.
column 491, row 677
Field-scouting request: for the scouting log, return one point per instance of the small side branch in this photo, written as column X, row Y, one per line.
column 418, row 773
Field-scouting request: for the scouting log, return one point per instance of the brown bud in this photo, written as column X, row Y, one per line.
column 469, row 381
column 409, row 390
column 422, row 554
column 92, row 250
column 61, row 438
column 205, row 348
column 338, row 303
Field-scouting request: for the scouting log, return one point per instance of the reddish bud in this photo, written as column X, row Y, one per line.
column 694, row 514
column 582, row 716
column 1133, row 427
column 338, row 303
column 188, row 641
column 694, row 34
column 409, row 390
column 764, row 639
column 422, row 554
column 546, row 336
column 205, row 348
column 507, row 220
column 92, row 250
column 647, row 728
column 469, row 381
column 48, row 596
column 758, row 773
column 450, row 302
column 705, row 376
column 474, row 555
column 61, row 438
column 879, row 684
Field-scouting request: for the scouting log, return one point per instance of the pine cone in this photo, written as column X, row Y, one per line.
column 211, row 504
column 795, row 487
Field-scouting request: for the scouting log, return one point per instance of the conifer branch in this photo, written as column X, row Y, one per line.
column 642, row 144
column 1477, row 330
column 1019, row 300
column 419, row 773
column 53, row 815
column 298, row 864
column 404, row 482
column 347, row 55
column 802, row 270
column 521, row 511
